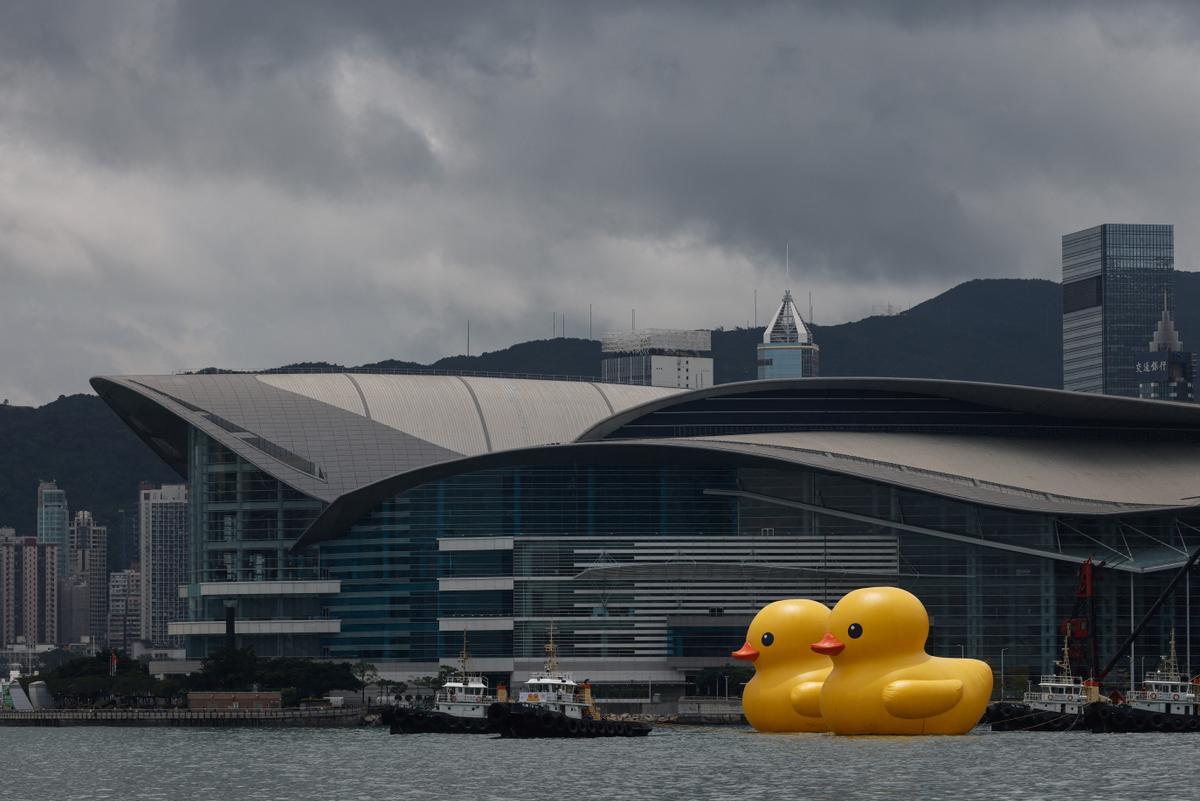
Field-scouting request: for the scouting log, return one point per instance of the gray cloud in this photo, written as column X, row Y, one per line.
column 250, row 184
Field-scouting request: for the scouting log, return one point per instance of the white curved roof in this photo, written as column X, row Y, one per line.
column 330, row 433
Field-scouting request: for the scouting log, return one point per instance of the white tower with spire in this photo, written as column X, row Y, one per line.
column 787, row 349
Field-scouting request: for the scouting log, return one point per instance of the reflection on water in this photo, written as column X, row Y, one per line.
column 673, row 763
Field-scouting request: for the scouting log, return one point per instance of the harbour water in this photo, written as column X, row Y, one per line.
column 672, row 763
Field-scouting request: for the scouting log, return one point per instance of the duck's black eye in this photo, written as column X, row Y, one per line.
column 855, row 631
column 768, row 638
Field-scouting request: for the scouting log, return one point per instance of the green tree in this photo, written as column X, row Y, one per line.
column 445, row 672
column 228, row 669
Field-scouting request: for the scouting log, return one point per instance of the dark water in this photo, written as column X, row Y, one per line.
column 676, row 763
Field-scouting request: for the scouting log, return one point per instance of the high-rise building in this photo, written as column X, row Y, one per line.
column 787, row 349
column 88, row 560
column 123, row 534
column 28, row 591
column 124, row 607
column 73, row 610
column 52, row 520
column 1166, row 371
column 1114, row 278
column 657, row 357
column 163, row 518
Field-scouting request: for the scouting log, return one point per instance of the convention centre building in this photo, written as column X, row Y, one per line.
column 388, row 517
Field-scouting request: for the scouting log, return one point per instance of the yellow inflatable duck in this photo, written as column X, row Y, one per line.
column 883, row 682
column 785, row 693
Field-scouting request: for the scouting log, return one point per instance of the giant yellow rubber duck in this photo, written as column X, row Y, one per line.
column 785, row 693
column 883, row 682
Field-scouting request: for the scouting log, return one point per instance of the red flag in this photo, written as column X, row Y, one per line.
column 112, row 662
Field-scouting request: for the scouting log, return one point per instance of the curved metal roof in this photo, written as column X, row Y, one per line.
column 339, row 516
column 1053, row 405
column 331, row 433
column 353, row 440
column 1138, row 485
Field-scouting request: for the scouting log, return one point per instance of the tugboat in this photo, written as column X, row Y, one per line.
column 1057, row 705
column 460, row 706
column 1168, row 701
column 552, row 704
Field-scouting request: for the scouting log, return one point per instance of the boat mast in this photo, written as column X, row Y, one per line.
column 464, row 657
column 551, row 652
column 1170, row 662
column 1065, row 664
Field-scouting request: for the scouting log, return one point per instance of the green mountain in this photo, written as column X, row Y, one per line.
column 988, row 330
column 80, row 443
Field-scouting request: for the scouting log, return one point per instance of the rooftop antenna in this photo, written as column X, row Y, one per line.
column 589, row 321
column 756, row 308
column 633, row 319
column 787, row 260
column 468, row 336
column 810, row 311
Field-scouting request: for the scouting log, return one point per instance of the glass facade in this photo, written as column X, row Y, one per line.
column 650, row 567
column 243, row 523
column 1115, row 278
column 659, row 370
column 52, row 522
column 788, row 361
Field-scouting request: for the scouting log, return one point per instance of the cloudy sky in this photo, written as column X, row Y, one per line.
column 250, row 184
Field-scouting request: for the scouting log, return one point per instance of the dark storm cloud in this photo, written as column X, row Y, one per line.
column 255, row 183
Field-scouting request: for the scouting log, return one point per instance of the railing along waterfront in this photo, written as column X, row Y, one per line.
column 337, row 715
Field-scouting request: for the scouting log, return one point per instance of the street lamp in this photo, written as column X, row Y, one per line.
column 1002, row 650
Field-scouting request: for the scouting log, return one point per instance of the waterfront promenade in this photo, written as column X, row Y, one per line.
column 232, row 718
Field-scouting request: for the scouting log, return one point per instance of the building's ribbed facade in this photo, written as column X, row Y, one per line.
column 379, row 517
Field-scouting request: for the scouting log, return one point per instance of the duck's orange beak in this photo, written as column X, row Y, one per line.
column 747, row 652
column 828, row 645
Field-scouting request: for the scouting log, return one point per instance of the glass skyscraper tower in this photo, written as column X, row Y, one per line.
column 53, row 521
column 1114, row 280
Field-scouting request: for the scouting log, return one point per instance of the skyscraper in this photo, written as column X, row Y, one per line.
column 89, row 564
column 163, row 516
column 52, row 520
column 1114, row 279
column 787, row 349
column 124, row 607
column 28, row 590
